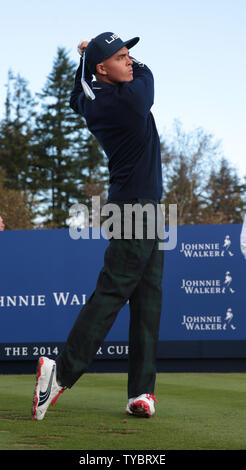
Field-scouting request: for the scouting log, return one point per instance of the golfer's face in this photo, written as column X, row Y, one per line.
column 119, row 67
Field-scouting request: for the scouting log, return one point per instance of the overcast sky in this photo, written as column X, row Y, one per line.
column 195, row 49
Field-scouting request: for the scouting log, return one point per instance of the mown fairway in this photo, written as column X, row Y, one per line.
column 194, row 412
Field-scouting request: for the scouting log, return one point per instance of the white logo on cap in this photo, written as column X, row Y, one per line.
column 112, row 38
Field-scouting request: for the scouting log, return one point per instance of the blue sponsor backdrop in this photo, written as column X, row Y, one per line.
column 46, row 277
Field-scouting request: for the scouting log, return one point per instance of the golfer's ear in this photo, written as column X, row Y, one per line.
column 101, row 69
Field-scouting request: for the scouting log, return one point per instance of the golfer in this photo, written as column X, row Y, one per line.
column 2, row 226
column 243, row 237
column 120, row 118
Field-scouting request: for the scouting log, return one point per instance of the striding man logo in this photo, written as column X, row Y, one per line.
column 228, row 320
column 228, row 283
column 227, row 247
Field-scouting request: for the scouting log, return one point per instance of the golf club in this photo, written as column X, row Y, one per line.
column 87, row 90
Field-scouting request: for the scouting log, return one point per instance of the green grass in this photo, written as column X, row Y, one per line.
column 194, row 412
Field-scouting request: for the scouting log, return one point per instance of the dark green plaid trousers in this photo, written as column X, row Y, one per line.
column 132, row 271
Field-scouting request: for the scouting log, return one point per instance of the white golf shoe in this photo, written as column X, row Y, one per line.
column 128, row 411
column 142, row 406
column 47, row 389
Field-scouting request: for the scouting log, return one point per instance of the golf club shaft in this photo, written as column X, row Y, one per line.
column 87, row 90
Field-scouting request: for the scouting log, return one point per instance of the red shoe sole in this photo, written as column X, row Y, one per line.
column 140, row 408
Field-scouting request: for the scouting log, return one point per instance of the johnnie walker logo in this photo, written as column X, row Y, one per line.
column 207, row 250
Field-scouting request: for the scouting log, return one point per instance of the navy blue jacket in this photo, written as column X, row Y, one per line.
column 121, row 120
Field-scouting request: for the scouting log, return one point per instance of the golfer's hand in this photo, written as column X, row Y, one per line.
column 82, row 46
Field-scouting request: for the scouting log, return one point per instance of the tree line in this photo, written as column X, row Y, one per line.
column 49, row 161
